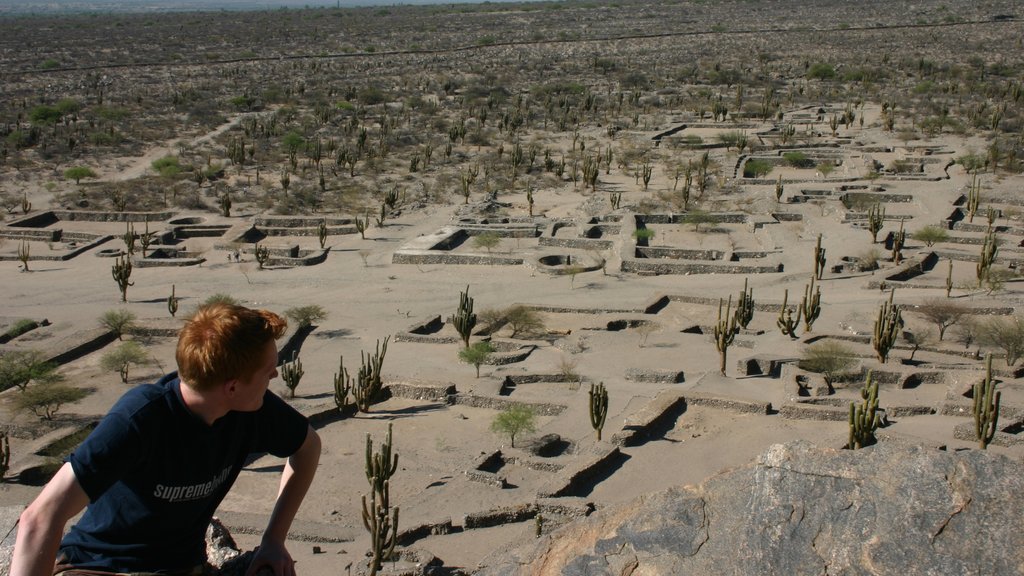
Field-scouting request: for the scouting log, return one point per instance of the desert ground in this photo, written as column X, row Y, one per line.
column 441, row 125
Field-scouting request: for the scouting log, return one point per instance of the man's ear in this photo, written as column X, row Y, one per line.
column 231, row 387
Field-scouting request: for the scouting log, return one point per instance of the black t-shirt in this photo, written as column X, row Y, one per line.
column 155, row 474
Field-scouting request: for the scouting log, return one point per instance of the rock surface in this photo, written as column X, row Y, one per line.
column 799, row 509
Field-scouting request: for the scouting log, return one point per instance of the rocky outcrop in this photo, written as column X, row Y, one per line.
column 799, row 509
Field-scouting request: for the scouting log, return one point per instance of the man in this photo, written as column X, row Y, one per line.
column 158, row 465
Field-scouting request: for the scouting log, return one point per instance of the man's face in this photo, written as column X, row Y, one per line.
column 249, row 397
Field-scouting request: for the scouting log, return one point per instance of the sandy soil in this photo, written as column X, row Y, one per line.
column 369, row 298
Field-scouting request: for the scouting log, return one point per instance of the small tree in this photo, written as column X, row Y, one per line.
column 306, row 316
column 123, row 357
column 476, row 354
column 1005, row 333
column 828, row 358
column 514, row 421
column 119, row 322
column 45, row 400
column 698, row 217
column 942, row 313
column 20, row 368
column 524, row 321
column 79, row 172
column 486, row 240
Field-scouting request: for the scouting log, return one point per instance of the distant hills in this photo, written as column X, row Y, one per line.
column 55, row 7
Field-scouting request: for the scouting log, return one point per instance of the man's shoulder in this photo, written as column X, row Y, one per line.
column 144, row 396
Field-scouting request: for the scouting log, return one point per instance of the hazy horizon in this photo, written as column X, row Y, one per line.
column 54, row 7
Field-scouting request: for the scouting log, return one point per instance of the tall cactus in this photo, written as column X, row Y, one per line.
column 379, row 519
column 986, row 407
column 876, row 219
column 973, row 198
column 292, row 373
column 786, row 323
column 262, row 254
column 725, row 332
column 129, row 237
column 810, row 305
column 887, row 328
column 899, row 238
column 864, row 418
column 368, row 383
column 949, row 278
column 745, row 306
column 24, row 251
column 342, row 385
column 819, row 259
column 989, row 247
column 321, row 233
column 172, row 302
column 122, row 272
column 598, row 407
column 464, row 319
column 5, row 455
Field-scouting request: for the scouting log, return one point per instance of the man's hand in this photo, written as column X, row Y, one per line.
column 272, row 556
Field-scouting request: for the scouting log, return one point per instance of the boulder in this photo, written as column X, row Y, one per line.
column 799, row 509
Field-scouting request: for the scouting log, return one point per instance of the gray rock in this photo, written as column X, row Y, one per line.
column 798, row 509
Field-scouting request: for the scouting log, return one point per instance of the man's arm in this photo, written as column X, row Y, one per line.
column 295, row 480
column 42, row 524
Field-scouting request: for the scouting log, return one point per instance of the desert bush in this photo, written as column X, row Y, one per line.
column 868, row 260
column 1006, row 334
column 119, row 322
column 942, row 312
column 821, row 71
column 486, row 240
column 78, row 172
column 930, row 235
column 798, row 160
column 828, row 358
column 476, row 354
column 306, row 315
column 756, row 168
column 524, row 321
column 167, row 167
column 18, row 328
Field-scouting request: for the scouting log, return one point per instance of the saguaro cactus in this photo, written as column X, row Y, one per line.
column 292, row 373
column 864, row 418
column 5, row 455
column 172, row 302
column 899, row 238
column 819, row 259
column 122, row 272
column 321, row 233
column 598, row 407
column 986, row 407
column 464, row 319
column 876, row 219
column 342, row 385
column 129, row 237
column 973, row 198
column 24, row 251
column 378, row 517
column 887, row 327
column 949, row 278
column 745, row 306
column 725, row 332
column 989, row 247
column 262, row 254
column 786, row 323
column 225, row 205
column 810, row 305
column 368, row 383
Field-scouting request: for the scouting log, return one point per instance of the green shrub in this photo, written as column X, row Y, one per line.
column 306, row 315
column 821, row 71
column 756, row 168
column 45, row 400
column 516, row 420
column 797, row 160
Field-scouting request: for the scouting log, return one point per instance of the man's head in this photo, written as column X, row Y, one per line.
column 224, row 342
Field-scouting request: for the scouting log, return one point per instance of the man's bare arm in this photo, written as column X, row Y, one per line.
column 42, row 524
column 295, row 481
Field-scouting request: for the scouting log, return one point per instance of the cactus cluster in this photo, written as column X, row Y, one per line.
column 122, row 272
column 464, row 319
column 887, row 328
column 725, row 332
column 598, row 407
column 129, row 237
column 292, row 373
column 361, row 225
column 24, row 251
column 786, row 323
column 745, row 306
column 986, row 407
column 379, row 519
column 368, row 383
column 864, row 418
